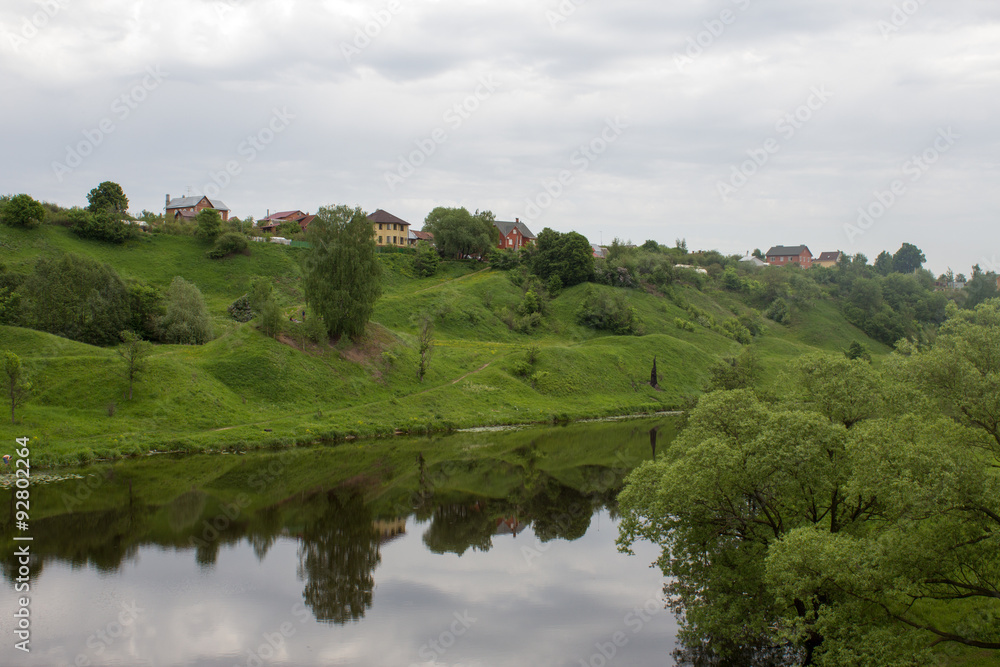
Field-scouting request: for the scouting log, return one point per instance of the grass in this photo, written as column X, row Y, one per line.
column 244, row 390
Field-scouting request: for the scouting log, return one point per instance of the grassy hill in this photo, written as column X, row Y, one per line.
column 246, row 390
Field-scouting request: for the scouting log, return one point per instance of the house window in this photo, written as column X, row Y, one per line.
column 380, row 240
column 380, row 227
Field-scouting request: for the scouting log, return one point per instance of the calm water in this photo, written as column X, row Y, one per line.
column 499, row 552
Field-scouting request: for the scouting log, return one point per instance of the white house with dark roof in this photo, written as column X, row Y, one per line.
column 189, row 207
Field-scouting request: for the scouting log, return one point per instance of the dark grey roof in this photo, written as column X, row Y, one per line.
column 506, row 227
column 787, row 251
column 188, row 202
column 829, row 256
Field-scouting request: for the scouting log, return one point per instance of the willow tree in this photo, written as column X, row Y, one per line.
column 343, row 278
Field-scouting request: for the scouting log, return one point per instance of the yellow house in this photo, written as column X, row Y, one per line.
column 390, row 230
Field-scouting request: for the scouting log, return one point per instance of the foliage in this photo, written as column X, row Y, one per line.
column 75, row 297
column 21, row 211
column 908, row 259
column 270, row 317
column 982, row 287
column 608, row 312
column 186, row 318
column 834, row 517
column 15, row 381
column 108, row 196
column 241, row 310
column 567, row 255
column 146, row 307
column 504, row 259
column 105, row 224
column 740, row 372
column 779, row 312
column 289, row 228
column 208, row 225
column 134, row 353
column 343, row 278
column 458, row 233
column 858, row 350
column 227, row 244
column 425, row 261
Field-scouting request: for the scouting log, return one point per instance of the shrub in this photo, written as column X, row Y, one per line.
column 229, row 243
column 270, row 318
column 208, row 224
column 104, row 225
column 21, row 211
column 186, row 318
column 240, row 310
column 425, row 261
column 779, row 312
column 602, row 311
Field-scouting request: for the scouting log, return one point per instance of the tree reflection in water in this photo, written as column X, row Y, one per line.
column 338, row 554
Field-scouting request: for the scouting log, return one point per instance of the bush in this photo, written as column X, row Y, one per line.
column 21, row 211
column 602, row 311
column 186, row 318
column 208, row 224
column 241, row 310
column 75, row 297
column 105, row 225
column 779, row 312
column 229, row 243
column 270, row 318
column 425, row 261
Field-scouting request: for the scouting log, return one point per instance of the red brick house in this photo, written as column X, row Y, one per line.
column 513, row 235
column 271, row 223
column 188, row 207
column 781, row 255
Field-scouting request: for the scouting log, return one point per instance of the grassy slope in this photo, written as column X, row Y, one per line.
column 246, row 390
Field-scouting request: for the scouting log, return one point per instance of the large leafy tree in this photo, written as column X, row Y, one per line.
column 343, row 277
column 567, row 255
column 208, row 225
column 849, row 519
column 458, row 233
column 108, row 195
column 185, row 319
column 908, row 259
column 75, row 297
column 21, row 211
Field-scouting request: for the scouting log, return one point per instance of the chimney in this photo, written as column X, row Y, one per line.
column 517, row 220
column 167, row 204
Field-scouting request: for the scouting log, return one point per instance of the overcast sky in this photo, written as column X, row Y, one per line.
column 735, row 124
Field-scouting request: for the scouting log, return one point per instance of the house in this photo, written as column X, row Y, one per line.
column 513, row 235
column 781, row 255
column 390, row 230
column 418, row 236
column 753, row 261
column 187, row 208
column 828, row 259
column 271, row 223
column 599, row 252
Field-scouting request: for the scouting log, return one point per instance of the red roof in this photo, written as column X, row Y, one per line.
column 286, row 215
column 423, row 236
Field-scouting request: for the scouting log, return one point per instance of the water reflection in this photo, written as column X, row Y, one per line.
column 313, row 535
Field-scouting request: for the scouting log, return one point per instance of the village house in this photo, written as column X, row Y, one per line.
column 828, row 259
column 513, row 235
column 416, row 236
column 270, row 224
column 390, row 230
column 187, row 208
column 781, row 255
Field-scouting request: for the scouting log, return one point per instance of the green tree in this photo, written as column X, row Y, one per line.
column 75, row 297
column 458, row 233
column 908, row 259
column 230, row 243
column 134, row 353
column 15, row 379
column 342, row 274
column 103, row 225
column 186, row 318
column 982, row 287
column 883, row 263
column 21, row 211
column 208, row 225
column 108, row 196
column 425, row 262
column 568, row 256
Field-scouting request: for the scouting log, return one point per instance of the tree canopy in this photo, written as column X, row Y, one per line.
column 856, row 517
column 343, row 278
column 567, row 255
column 208, row 225
column 21, row 211
column 107, row 195
column 908, row 259
column 458, row 233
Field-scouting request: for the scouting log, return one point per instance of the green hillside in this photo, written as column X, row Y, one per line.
column 246, row 390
